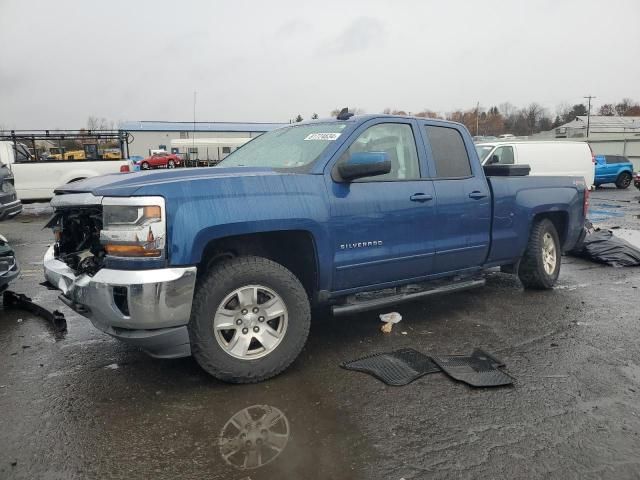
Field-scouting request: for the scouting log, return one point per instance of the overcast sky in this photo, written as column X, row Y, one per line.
column 269, row 60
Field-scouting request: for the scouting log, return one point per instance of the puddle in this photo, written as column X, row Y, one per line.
column 598, row 215
column 284, row 428
column 254, row 437
column 609, row 205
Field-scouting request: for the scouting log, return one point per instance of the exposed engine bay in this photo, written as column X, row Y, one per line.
column 77, row 233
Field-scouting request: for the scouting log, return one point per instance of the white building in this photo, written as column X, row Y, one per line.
column 600, row 126
column 608, row 135
column 157, row 135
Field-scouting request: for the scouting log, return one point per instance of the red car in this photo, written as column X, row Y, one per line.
column 161, row 160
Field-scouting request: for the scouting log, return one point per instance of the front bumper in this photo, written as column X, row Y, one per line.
column 10, row 209
column 146, row 308
column 7, row 276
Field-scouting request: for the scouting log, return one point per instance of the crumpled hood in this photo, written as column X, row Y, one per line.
column 126, row 184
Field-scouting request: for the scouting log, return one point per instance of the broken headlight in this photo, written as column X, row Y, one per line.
column 133, row 227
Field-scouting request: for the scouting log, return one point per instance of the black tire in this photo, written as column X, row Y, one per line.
column 144, row 166
column 531, row 270
column 624, row 180
column 171, row 164
column 215, row 285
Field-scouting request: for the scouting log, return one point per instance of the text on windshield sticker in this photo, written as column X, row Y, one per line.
column 322, row 136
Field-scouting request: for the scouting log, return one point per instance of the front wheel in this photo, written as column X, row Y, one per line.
column 624, row 180
column 144, row 166
column 171, row 164
column 540, row 265
column 250, row 320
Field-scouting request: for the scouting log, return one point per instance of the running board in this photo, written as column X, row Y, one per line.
column 363, row 305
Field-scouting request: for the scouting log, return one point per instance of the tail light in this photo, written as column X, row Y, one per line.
column 124, row 169
column 586, row 202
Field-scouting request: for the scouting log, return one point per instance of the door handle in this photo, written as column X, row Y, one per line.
column 420, row 197
column 477, row 195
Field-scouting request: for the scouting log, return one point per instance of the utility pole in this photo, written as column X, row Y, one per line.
column 589, row 112
column 477, row 113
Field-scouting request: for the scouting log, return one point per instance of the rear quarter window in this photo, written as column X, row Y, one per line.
column 612, row 159
column 449, row 153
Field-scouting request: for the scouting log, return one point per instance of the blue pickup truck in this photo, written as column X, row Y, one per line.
column 354, row 213
column 613, row 169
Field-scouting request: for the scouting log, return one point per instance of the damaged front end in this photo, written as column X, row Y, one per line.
column 79, row 247
column 109, row 261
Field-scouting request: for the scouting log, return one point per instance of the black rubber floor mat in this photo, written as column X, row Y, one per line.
column 396, row 368
column 478, row 370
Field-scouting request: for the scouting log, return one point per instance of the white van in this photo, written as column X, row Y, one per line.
column 36, row 179
column 573, row 159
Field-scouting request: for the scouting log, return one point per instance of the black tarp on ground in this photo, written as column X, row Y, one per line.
column 603, row 246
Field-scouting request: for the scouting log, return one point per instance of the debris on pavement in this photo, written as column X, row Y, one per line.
column 18, row 300
column 389, row 320
column 480, row 369
column 401, row 367
column 397, row 368
column 602, row 246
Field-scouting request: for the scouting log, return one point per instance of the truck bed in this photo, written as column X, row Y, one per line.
column 517, row 200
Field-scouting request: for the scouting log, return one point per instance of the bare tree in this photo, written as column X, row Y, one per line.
column 426, row 113
column 623, row 106
column 634, row 111
column 608, row 110
column 507, row 109
column 95, row 123
column 533, row 114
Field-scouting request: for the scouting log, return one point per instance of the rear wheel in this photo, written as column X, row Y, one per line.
column 624, row 180
column 540, row 265
column 250, row 320
column 145, row 166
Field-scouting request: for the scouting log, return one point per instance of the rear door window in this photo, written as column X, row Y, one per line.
column 450, row 156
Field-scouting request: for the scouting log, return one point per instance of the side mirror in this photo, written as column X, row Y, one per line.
column 493, row 160
column 364, row 164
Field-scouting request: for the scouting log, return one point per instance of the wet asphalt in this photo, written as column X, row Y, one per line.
column 86, row 406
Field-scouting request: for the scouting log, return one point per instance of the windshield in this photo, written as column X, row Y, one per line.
column 288, row 147
column 483, row 151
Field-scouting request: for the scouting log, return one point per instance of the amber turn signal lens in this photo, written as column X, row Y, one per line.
column 152, row 211
column 131, row 251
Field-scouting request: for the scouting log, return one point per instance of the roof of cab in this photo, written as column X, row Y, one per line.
column 526, row 142
column 366, row 117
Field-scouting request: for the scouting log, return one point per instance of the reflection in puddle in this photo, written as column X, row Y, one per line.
column 254, row 437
